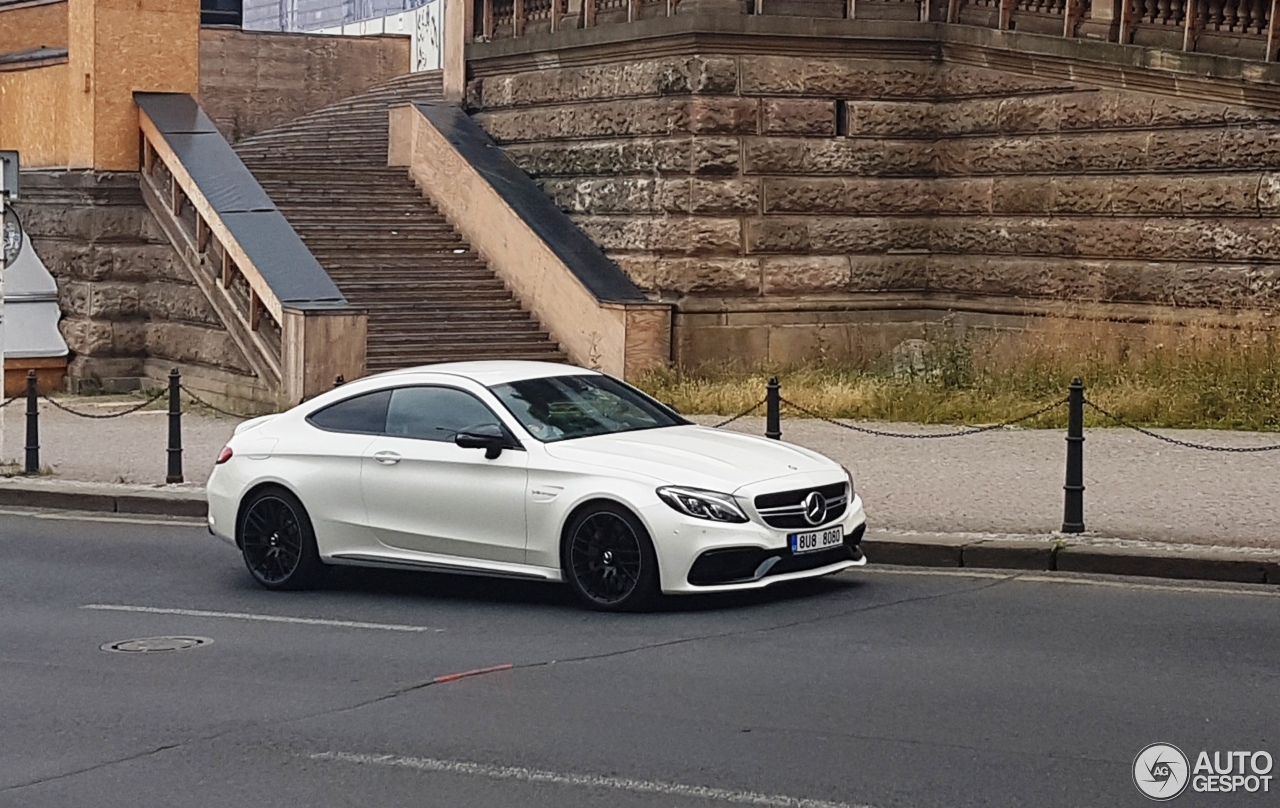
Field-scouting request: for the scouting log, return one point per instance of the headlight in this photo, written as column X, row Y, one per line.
column 849, row 474
column 703, row 504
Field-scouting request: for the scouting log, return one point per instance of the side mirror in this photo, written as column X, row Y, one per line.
column 489, row 437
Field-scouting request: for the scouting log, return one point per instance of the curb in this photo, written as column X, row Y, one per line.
column 1099, row 556
column 104, row 497
column 1067, row 554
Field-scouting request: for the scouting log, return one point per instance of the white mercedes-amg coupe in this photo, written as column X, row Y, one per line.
column 527, row 470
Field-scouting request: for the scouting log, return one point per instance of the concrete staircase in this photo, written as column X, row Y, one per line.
column 430, row 297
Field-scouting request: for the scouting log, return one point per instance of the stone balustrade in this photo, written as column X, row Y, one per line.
column 1242, row 28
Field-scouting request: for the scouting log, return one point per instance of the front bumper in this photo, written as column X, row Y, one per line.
column 699, row 556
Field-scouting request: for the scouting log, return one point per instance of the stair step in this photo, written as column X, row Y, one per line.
column 429, row 296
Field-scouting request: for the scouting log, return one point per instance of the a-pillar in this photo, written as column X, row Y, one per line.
column 116, row 48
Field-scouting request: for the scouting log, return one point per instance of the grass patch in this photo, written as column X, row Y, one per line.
column 1195, row 377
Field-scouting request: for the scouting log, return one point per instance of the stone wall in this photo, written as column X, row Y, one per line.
column 251, row 81
column 786, row 201
column 129, row 307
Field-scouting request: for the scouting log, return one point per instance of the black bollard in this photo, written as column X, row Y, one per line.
column 773, row 410
column 33, row 425
column 338, row 381
column 1073, row 507
column 175, row 428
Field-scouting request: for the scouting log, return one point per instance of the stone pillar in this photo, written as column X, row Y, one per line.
column 116, row 48
column 455, row 49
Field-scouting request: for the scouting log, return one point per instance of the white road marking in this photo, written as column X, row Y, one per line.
column 1040, row 578
column 523, row 774
column 264, row 618
column 106, row 517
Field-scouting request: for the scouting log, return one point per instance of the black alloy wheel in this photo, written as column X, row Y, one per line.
column 278, row 542
column 609, row 560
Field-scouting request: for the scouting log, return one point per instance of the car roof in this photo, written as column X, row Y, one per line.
column 491, row 372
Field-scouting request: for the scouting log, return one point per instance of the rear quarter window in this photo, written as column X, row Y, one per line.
column 365, row 414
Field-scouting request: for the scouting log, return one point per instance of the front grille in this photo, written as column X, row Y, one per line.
column 785, row 510
column 739, row 564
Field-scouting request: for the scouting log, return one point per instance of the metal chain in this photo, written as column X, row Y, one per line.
column 98, row 416
column 975, row 430
column 742, row 414
column 1183, row 443
column 206, row 404
column 9, row 401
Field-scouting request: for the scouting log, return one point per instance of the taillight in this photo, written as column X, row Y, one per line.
column 224, row 456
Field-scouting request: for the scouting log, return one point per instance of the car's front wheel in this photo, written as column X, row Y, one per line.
column 278, row 542
column 609, row 559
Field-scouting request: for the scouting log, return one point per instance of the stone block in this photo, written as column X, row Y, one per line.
column 778, row 235
column 809, row 117
column 194, row 344
column 837, row 78
column 669, row 276
column 841, row 235
column 851, row 156
column 800, row 344
column 1080, row 194
column 889, row 273
column 623, row 118
column 1019, row 114
column 675, row 234
column 720, row 347
column 723, row 116
column 679, row 75
column 1269, row 194
column 963, row 81
column 86, row 337
column 114, row 301
column 146, row 262
column 805, row 275
column 1219, row 195
column 1145, row 195
column 808, row 195
column 185, row 303
column 714, row 156
column 904, row 119
column 620, row 195
column 1021, row 195
column 612, row 157
column 724, row 196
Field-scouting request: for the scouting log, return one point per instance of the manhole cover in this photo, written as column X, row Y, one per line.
column 149, row 644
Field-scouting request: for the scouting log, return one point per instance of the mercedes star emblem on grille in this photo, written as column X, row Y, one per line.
column 815, row 508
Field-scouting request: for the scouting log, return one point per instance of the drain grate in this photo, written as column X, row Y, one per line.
column 148, row 645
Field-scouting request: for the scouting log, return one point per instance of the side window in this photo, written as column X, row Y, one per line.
column 364, row 414
column 435, row 413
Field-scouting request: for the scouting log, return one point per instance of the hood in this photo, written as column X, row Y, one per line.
column 696, row 456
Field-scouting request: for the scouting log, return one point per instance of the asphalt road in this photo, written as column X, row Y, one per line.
column 876, row 688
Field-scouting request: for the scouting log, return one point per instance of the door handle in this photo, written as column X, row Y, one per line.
column 387, row 458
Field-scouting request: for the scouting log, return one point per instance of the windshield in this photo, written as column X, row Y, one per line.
column 563, row 407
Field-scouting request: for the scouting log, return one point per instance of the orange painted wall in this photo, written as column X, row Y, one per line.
column 33, row 115
column 118, row 47
column 43, row 25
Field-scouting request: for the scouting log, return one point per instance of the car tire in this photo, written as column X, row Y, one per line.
column 277, row 541
column 608, row 559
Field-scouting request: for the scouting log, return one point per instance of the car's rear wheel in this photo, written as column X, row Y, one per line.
column 609, row 560
column 278, row 542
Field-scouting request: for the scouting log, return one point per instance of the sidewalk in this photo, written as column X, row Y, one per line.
column 991, row 489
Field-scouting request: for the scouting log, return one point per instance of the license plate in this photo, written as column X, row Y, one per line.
column 816, row 540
